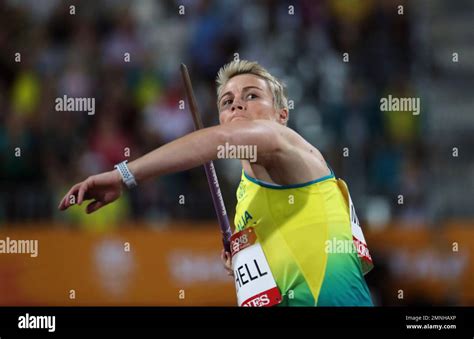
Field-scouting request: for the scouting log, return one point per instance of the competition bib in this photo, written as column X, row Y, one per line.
column 357, row 234
column 254, row 281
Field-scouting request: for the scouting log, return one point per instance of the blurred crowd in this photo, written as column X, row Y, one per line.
column 126, row 55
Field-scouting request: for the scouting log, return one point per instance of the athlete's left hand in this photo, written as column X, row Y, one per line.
column 227, row 260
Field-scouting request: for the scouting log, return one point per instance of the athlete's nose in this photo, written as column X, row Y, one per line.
column 236, row 104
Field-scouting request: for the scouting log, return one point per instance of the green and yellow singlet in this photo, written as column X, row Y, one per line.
column 294, row 224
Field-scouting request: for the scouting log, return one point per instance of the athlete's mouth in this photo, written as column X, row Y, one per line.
column 238, row 116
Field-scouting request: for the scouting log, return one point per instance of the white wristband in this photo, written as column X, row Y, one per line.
column 127, row 176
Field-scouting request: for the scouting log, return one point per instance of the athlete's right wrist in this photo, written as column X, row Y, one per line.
column 117, row 177
column 126, row 176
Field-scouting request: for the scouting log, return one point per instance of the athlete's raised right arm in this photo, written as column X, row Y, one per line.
column 187, row 152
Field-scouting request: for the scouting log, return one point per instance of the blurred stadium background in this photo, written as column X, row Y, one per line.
column 423, row 248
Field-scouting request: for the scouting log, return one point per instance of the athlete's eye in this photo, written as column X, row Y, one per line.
column 251, row 96
column 226, row 102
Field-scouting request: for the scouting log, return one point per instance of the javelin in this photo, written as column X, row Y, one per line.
column 209, row 166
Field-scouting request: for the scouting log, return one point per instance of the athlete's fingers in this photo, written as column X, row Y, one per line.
column 228, row 263
column 66, row 199
column 64, row 204
column 94, row 206
column 82, row 190
column 225, row 257
column 228, row 258
column 61, row 205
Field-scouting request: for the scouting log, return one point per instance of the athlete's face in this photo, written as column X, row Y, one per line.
column 248, row 97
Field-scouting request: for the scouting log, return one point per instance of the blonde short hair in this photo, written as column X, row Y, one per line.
column 238, row 67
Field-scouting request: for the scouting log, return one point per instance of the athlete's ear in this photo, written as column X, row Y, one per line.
column 283, row 116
